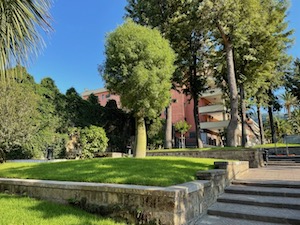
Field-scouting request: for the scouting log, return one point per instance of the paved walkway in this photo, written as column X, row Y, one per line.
column 278, row 173
column 36, row 160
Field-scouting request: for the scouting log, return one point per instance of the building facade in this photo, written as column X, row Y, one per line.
column 213, row 116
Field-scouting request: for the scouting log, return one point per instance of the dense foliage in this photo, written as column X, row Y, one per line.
column 93, row 140
column 240, row 43
column 138, row 67
column 37, row 117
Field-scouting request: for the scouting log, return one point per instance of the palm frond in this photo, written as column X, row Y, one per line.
column 20, row 22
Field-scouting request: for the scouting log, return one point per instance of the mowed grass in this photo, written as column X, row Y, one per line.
column 17, row 210
column 277, row 145
column 150, row 171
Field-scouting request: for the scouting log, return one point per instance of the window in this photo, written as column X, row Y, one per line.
column 192, row 134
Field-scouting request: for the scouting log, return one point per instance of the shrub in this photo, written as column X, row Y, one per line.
column 93, row 140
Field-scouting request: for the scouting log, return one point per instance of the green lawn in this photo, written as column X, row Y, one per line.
column 17, row 210
column 277, row 145
column 152, row 171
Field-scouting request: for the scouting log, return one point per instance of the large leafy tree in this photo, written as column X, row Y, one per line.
column 292, row 79
column 179, row 22
column 77, row 109
column 19, row 32
column 139, row 65
column 18, row 114
column 157, row 14
column 263, row 73
column 246, row 30
column 51, row 119
column 231, row 23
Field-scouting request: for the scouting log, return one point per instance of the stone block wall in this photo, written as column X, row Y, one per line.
column 253, row 156
column 174, row 205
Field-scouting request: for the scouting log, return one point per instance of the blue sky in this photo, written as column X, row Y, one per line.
column 76, row 47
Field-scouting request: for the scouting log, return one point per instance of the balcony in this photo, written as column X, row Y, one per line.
column 212, row 93
column 212, row 108
column 214, row 125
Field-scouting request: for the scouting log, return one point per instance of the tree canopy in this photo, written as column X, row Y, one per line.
column 139, row 65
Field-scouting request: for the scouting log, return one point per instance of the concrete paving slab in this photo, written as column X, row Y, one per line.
column 215, row 220
column 274, row 173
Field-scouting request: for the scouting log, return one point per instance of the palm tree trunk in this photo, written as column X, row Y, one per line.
column 168, row 127
column 288, row 108
column 140, row 138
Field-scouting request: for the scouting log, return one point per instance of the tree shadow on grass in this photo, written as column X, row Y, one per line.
column 42, row 212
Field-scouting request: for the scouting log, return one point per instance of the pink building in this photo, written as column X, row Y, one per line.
column 103, row 96
column 213, row 116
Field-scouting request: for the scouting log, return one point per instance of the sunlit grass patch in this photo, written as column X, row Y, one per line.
column 152, row 171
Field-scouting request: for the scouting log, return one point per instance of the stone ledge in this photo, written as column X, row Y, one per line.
column 174, row 205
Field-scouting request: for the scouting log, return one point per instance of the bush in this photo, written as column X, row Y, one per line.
column 156, row 133
column 93, row 140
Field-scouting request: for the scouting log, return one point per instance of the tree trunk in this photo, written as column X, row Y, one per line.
column 195, row 98
column 243, row 115
column 271, row 119
column 288, row 108
column 232, row 128
column 197, row 124
column 233, row 124
column 260, row 124
column 182, row 141
column 273, row 132
column 168, row 127
column 140, row 138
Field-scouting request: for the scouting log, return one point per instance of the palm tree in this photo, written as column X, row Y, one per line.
column 289, row 101
column 19, row 36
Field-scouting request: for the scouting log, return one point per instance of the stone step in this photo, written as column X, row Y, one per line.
column 284, row 159
column 264, row 191
column 218, row 220
column 283, row 164
column 267, row 201
column 258, row 213
column 268, row 183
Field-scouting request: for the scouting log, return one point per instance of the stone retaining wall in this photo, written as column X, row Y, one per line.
column 253, row 156
column 284, row 150
column 174, row 205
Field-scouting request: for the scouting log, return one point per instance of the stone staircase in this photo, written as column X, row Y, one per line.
column 284, row 161
column 256, row 202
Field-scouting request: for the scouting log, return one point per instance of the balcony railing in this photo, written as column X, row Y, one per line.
column 214, row 125
column 212, row 108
